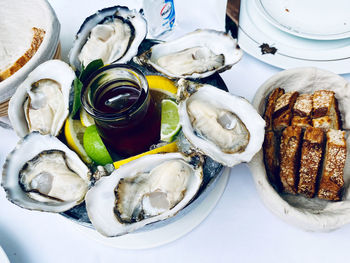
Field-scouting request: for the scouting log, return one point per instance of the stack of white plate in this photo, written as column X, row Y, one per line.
column 301, row 33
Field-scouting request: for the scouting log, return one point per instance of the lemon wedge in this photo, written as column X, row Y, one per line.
column 161, row 83
column 171, row 147
column 74, row 132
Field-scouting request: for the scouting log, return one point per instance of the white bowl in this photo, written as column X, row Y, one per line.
column 22, row 14
column 309, row 214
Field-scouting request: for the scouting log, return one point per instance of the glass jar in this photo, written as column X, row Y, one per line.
column 117, row 97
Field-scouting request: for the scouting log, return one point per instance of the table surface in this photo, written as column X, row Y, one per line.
column 239, row 228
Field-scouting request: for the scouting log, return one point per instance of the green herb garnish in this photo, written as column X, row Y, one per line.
column 78, row 82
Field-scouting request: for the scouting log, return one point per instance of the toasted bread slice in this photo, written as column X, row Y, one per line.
column 302, row 111
column 303, row 105
column 310, row 160
column 271, row 150
column 270, row 107
column 38, row 37
column 325, row 123
column 282, row 114
column 332, row 180
column 290, row 158
column 303, row 122
column 324, row 104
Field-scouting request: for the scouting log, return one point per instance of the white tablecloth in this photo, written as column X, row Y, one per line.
column 239, row 229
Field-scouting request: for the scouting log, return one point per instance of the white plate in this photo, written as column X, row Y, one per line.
column 3, row 256
column 315, row 19
column 168, row 233
column 292, row 51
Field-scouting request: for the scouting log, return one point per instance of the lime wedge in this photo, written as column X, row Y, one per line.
column 170, row 125
column 95, row 147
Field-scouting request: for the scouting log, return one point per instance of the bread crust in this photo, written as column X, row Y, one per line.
column 289, row 158
column 332, row 180
column 310, row 161
column 303, row 122
column 38, row 37
column 283, row 114
column 302, row 111
column 271, row 150
column 270, row 107
column 325, row 111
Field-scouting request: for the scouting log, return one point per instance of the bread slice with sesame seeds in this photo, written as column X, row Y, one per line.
column 302, row 111
column 310, row 161
column 290, row 158
column 332, row 180
column 270, row 107
column 283, row 114
column 325, row 112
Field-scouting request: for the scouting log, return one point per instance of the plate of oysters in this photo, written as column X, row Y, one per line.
column 150, row 178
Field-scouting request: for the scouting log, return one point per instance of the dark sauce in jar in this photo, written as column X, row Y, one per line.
column 137, row 123
column 118, row 96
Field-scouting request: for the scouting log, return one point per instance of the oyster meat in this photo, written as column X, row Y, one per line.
column 41, row 102
column 112, row 34
column 220, row 126
column 144, row 191
column 41, row 173
column 196, row 55
column 225, row 127
column 48, row 176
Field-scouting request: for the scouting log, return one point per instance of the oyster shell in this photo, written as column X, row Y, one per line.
column 41, row 102
column 144, row 191
column 112, row 34
column 225, row 127
column 41, row 173
column 195, row 55
column 308, row 214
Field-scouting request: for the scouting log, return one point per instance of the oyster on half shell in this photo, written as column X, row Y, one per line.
column 112, row 34
column 195, row 55
column 149, row 189
column 41, row 173
column 225, row 127
column 41, row 102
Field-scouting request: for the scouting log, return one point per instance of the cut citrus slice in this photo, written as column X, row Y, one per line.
column 161, row 83
column 85, row 118
column 171, row 147
column 95, row 147
column 74, row 132
column 170, row 125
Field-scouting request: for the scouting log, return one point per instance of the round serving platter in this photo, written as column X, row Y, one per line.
column 187, row 218
column 215, row 180
column 176, row 227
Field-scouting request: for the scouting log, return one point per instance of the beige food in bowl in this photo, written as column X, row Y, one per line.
column 29, row 35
